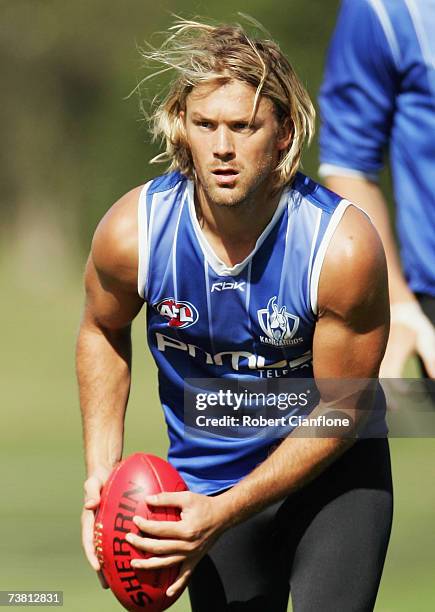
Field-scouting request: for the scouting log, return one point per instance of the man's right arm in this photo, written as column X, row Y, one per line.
column 104, row 350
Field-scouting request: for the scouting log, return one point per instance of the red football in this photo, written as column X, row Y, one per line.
column 122, row 498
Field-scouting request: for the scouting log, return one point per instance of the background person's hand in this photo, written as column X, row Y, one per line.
column 411, row 333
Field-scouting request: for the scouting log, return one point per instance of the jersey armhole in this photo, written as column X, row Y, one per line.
column 143, row 244
column 321, row 252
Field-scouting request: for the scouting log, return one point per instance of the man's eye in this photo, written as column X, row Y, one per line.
column 204, row 124
column 243, row 126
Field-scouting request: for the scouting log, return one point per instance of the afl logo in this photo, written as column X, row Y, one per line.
column 180, row 314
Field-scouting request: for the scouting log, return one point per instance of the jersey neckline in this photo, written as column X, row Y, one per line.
column 218, row 266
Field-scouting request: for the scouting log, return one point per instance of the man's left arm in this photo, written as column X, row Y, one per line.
column 349, row 343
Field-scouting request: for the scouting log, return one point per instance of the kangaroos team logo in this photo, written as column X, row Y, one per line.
column 278, row 325
column 180, row 314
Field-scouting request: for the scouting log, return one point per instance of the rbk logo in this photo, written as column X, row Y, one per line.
column 278, row 325
column 224, row 286
column 180, row 314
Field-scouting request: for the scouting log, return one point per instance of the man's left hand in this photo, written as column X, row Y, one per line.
column 185, row 541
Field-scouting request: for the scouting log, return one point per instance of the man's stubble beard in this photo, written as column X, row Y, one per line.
column 239, row 197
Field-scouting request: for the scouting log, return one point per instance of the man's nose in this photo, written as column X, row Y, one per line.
column 223, row 146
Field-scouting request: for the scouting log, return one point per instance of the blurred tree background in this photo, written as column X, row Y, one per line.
column 72, row 143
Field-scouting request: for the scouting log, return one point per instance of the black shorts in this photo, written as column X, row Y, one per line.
column 326, row 544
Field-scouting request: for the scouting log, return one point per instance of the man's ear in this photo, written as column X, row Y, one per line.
column 285, row 134
column 181, row 119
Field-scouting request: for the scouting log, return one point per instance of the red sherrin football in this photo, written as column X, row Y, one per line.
column 122, row 498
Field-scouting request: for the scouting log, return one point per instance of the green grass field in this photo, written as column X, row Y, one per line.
column 42, row 467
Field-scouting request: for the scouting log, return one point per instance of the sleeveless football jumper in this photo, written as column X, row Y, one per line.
column 250, row 321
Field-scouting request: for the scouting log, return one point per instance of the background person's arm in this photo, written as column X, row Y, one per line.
column 104, row 350
column 410, row 328
column 358, row 101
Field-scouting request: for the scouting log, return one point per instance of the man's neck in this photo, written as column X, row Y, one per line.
column 232, row 231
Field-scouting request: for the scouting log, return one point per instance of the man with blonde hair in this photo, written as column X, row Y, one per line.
column 249, row 271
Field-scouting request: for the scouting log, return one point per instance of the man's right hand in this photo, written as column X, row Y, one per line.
column 92, row 489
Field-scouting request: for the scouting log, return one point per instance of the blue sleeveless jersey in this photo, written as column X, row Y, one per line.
column 206, row 320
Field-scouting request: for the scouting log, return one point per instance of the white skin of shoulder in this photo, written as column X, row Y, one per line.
column 352, row 324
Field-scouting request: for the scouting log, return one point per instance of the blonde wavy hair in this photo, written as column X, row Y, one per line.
column 200, row 53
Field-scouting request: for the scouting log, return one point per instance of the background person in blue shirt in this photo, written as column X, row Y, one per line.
column 378, row 98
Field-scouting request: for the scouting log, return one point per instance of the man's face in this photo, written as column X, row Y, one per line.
column 233, row 160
